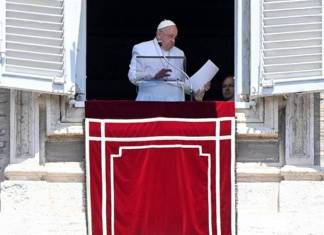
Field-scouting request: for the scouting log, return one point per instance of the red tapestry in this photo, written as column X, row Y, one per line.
column 161, row 175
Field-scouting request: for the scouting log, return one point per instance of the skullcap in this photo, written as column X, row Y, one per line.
column 165, row 23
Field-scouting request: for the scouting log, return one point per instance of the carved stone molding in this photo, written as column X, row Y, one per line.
column 54, row 172
column 260, row 172
column 70, row 114
column 259, row 121
column 24, row 128
column 300, row 129
column 63, row 120
column 254, row 114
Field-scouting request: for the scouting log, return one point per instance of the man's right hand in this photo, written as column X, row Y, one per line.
column 163, row 73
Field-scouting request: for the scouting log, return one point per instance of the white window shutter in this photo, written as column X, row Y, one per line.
column 39, row 44
column 286, row 56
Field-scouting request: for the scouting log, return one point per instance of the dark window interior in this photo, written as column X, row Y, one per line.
column 206, row 31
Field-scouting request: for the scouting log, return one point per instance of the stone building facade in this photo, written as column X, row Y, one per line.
column 280, row 138
column 42, row 189
column 44, row 181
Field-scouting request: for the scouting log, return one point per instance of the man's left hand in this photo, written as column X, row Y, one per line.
column 199, row 95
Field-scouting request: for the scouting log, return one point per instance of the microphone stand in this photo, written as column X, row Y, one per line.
column 184, row 73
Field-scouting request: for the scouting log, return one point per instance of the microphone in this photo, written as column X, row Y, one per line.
column 179, row 69
column 183, row 72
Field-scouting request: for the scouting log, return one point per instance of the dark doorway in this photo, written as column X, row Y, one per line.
column 206, row 31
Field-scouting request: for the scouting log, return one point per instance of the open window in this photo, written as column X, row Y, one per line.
column 42, row 46
column 206, row 31
column 286, row 43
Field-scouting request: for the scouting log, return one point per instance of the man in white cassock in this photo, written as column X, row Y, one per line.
column 156, row 67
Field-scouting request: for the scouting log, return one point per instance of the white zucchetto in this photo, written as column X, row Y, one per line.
column 165, row 23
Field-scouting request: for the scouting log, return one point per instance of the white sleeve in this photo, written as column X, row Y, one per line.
column 137, row 69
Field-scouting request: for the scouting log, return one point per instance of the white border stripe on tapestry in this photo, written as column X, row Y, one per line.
column 88, row 187
column 152, row 138
column 112, row 195
column 103, row 182
column 121, row 148
column 157, row 119
column 233, row 222
column 210, row 209
column 217, row 173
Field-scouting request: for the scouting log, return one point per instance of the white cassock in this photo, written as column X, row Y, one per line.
column 147, row 60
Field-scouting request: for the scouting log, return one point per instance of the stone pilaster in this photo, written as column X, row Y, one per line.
column 322, row 129
column 4, row 129
column 24, row 128
column 300, row 130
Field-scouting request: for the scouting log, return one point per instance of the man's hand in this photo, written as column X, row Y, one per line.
column 163, row 73
column 199, row 95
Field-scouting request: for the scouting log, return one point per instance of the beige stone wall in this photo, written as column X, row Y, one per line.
column 39, row 207
column 271, row 203
column 280, row 208
column 280, row 200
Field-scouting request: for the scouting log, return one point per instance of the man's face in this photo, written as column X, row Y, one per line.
column 168, row 36
column 228, row 88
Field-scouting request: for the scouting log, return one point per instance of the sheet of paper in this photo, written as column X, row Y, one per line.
column 203, row 75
